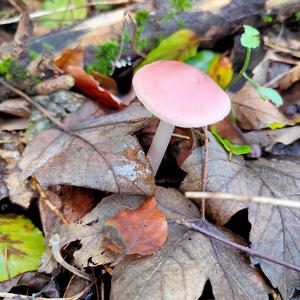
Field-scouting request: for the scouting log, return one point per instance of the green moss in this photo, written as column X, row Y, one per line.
column 176, row 7
column 267, row 19
column 105, row 54
column 141, row 18
column 9, row 69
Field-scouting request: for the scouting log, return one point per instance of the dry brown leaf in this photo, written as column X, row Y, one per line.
column 227, row 130
column 90, row 86
column 268, row 138
column 89, row 230
column 274, row 230
column 254, row 113
column 290, row 78
column 140, row 231
column 18, row 191
column 13, row 124
column 101, row 157
column 184, row 264
column 16, row 107
column 132, row 114
column 69, row 57
column 74, row 202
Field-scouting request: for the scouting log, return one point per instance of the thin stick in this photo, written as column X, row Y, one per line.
column 43, row 195
column 204, row 171
column 23, row 297
column 42, row 13
column 250, row 251
column 35, row 104
column 243, row 198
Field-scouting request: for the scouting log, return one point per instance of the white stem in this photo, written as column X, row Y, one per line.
column 159, row 144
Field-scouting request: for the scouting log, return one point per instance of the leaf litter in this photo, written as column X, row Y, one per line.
column 97, row 149
column 274, row 229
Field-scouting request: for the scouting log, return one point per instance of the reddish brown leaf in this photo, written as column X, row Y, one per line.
column 69, row 57
column 74, row 57
column 88, row 85
column 140, row 231
column 227, row 130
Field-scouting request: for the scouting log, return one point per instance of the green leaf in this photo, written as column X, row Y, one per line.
column 250, row 37
column 22, row 242
column 218, row 67
column 178, row 46
column 228, row 145
column 270, row 94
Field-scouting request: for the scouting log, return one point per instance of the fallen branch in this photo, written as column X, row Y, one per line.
column 242, row 198
column 247, row 250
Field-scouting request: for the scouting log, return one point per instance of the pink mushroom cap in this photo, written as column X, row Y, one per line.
column 180, row 94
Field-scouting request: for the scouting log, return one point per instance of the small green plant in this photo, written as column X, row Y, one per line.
column 267, row 19
column 141, row 18
column 297, row 16
column 250, row 40
column 229, row 146
column 9, row 69
column 105, row 54
column 176, row 7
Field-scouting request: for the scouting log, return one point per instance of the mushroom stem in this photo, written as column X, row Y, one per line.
column 159, row 144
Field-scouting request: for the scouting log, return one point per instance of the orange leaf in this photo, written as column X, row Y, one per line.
column 89, row 86
column 69, row 57
column 141, row 231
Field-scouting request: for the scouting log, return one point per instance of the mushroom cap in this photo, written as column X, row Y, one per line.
column 180, row 94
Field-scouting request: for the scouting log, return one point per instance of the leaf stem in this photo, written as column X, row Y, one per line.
column 243, row 69
column 248, row 250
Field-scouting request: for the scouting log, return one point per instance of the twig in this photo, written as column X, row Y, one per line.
column 42, row 13
column 204, row 171
column 134, row 37
column 250, row 251
column 44, row 198
column 55, row 245
column 242, row 198
column 23, row 297
column 35, row 104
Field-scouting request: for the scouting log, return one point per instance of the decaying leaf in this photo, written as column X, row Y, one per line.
column 89, row 230
column 268, row 138
column 254, row 113
column 23, row 243
column 106, row 158
column 184, row 264
column 89, row 86
column 18, row 191
column 274, row 229
column 60, row 104
column 141, row 231
column 15, row 107
column 73, row 202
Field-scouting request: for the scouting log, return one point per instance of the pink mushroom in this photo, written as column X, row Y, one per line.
column 179, row 95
